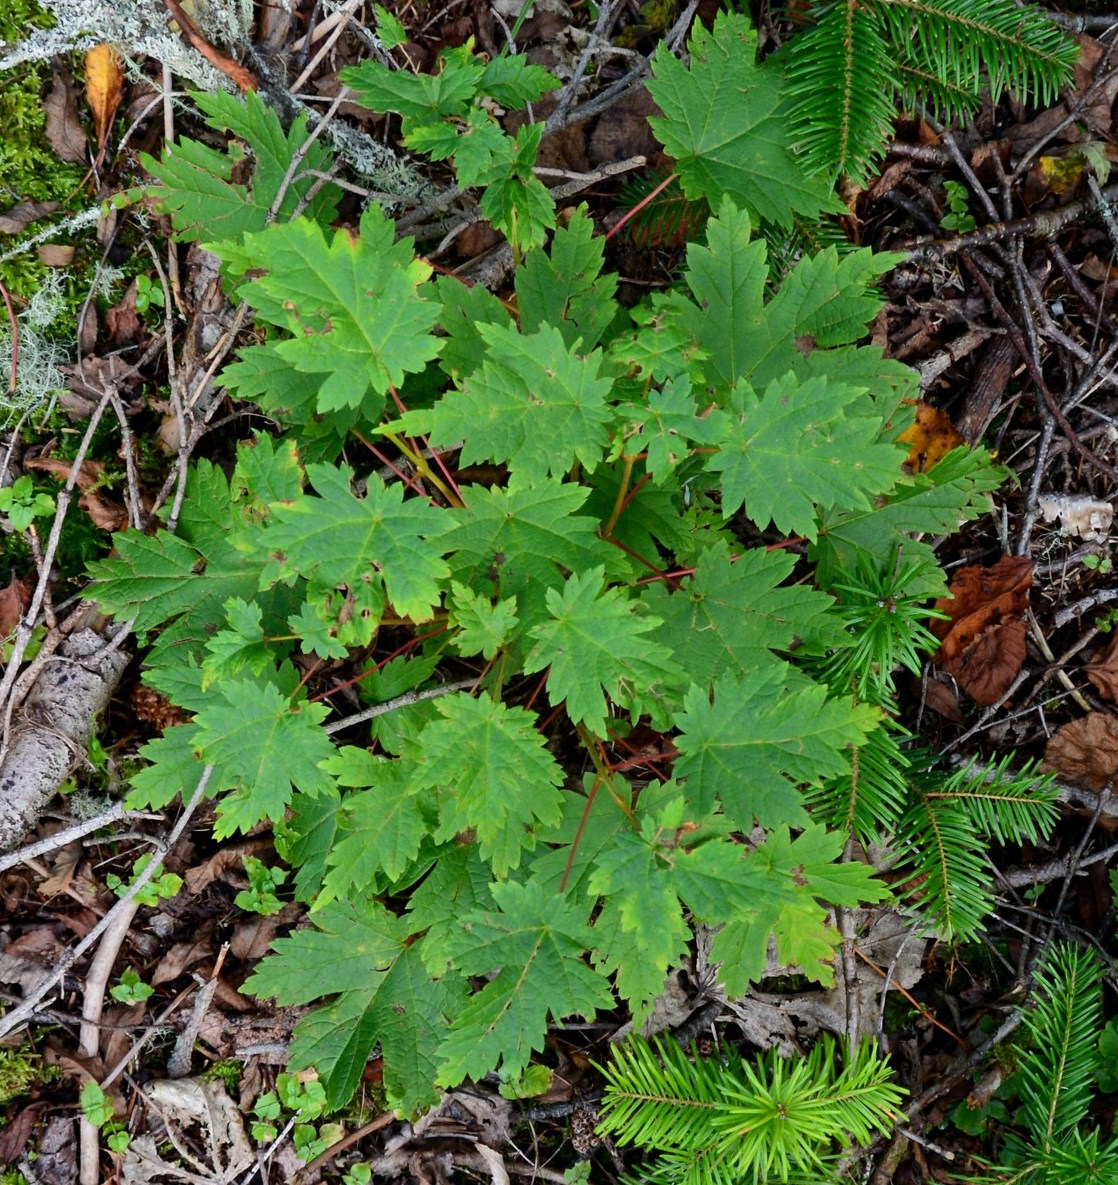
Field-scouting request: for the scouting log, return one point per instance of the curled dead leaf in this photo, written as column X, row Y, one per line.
column 88, row 473
column 105, row 511
column 985, row 670
column 1085, row 751
column 982, row 640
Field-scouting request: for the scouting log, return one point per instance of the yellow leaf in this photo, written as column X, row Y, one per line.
column 931, row 437
column 103, row 78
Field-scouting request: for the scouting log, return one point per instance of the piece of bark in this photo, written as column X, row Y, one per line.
column 53, row 726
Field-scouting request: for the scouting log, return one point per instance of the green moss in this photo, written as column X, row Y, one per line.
column 227, row 1072
column 20, row 1071
column 29, row 169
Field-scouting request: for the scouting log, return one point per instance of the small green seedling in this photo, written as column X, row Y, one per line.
column 98, row 1110
column 148, row 294
column 306, row 1098
column 1097, row 563
column 131, row 989
column 958, row 216
column 260, row 896
column 162, row 885
column 22, row 505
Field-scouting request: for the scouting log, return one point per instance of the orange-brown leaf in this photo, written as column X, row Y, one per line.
column 1085, row 751
column 982, row 640
column 104, row 78
column 929, row 438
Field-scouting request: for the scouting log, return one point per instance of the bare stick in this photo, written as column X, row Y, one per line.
column 20, row 1015
column 67, row 835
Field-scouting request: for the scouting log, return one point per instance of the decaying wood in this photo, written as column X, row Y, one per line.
column 51, row 729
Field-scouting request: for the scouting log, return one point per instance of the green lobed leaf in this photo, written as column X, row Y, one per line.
column 513, row 82
column 352, row 941
column 494, row 776
column 483, row 627
column 800, row 449
column 535, row 944
column 195, row 182
column 825, row 302
column 564, row 287
column 933, row 502
column 533, row 403
column 337, row 538
column 379, row 828
column 758, row 739
column 352, row 304
column 465, row 309
column 641, row 930
column 173, row 768
column 521, row 540
column 595, row 646
column 732, row 614
column 420, row 98
column 726, row 124
column 265, row 744
column 668, row 424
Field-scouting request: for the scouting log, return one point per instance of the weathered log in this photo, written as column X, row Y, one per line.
column 51, row 729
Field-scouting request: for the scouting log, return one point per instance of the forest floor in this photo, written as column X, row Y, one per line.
column 1004, row 303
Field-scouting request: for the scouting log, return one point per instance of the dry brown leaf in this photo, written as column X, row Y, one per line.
column 930, row 438
column 105, row 511
column 982, row 640
column 64, row 865
column 985, row 670
column 1085, row 751
column 119, row 1022
column 15, row 596
column 889, row 179
column 104, row 76
column 181, row 956
column 942, row 698
column 88, row 472
column 14, row 1137
column 56, row 254
column 226, row 865
column 63, row 126
column 252, row 938
column 980, row 597
column 1103, row 672
column 21, row 215
column 122, row 322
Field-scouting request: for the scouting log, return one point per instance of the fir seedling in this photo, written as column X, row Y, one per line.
column 725, row 1120
column 1056, row 1075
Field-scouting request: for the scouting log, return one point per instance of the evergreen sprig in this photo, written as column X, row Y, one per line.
column 1056, row 1072
column 724, row 1120
column 855, row 61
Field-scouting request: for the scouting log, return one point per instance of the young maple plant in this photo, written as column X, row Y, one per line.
column 686, row 506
